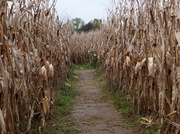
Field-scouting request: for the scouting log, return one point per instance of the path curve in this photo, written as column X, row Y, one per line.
column 92, row 113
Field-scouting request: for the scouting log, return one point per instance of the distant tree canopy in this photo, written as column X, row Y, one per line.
column 79, row 25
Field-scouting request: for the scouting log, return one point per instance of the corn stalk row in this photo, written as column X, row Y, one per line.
column 139, row 48
column 34, row 52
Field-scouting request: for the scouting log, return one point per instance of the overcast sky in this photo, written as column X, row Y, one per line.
column 85, row 9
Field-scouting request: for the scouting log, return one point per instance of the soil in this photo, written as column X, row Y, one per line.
column 92, row 112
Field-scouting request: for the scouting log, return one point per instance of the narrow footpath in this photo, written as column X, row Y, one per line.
column 92, row 112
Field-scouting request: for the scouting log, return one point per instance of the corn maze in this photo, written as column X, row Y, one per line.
column 34, row 52
column 138, row 49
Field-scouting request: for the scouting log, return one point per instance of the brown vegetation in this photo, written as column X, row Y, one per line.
column 139, row 48
column 33, row 52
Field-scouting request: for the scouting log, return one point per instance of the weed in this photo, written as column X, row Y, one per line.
column 60, row 121
column 82, row 67
column 150, row 132
column 123, row 105
column 94, row 60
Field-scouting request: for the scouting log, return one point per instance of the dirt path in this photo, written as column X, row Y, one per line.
column 92, row 113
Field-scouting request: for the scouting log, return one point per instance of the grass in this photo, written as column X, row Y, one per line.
column 60, row 121
column 151, row 132
column 123, row 105
column 82, row 67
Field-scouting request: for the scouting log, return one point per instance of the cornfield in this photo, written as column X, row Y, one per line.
column 139, row 50
column 34, row 52
column 82, row 48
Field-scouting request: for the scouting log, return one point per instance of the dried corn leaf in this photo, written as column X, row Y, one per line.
column 2, row 123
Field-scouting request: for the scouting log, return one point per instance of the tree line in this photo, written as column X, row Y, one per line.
column 78, row 25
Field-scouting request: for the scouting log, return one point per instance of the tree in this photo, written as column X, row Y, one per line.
column 86, row 28
column 77, row 24
column 92, row 25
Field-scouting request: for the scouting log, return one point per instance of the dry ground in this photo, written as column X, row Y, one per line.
column 92, row 112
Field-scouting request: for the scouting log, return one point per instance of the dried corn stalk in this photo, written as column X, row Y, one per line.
column 34, row 51
column 139, row 48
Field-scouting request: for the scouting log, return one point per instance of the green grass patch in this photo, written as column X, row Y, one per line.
column 59, row 121
column 82, row 67
column 124, row 105
column 151, row 132
column 120, row 101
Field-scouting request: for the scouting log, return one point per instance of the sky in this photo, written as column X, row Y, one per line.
column 87, row 10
